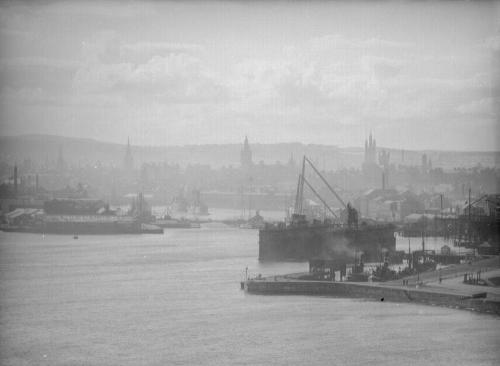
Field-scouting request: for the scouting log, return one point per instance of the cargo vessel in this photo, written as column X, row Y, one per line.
column 90, row 224
column 343, row 236
column 76, row 217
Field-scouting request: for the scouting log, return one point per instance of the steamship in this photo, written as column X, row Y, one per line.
column 301, row 240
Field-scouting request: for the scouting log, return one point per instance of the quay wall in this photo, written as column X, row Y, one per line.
column 375, row 292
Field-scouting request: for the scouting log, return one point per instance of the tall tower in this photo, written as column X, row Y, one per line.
column 128, row 161
column 370, row 150
column 15, row 180
column 246, row 155
column 371, row 170
column 383, row 158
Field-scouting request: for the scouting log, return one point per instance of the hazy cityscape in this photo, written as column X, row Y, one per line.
column 170, row 170
column 50, row 167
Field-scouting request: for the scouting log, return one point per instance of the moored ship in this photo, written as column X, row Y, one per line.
column 79, row 217
column 301, row 239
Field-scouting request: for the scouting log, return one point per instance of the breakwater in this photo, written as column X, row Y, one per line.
column 476, row 301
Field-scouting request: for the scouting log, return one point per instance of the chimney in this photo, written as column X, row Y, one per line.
column 36, row 184
column 15, row 180
column 383, row 181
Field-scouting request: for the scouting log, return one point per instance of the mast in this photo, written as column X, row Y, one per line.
column 300, row 189
column 470, row 233
column 250, row 199
column 409, row 254
column 296, row 208
column 301, row 202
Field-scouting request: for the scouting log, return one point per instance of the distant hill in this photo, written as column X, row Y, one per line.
column 45, row 149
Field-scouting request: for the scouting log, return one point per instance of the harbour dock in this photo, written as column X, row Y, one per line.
column 432, row 288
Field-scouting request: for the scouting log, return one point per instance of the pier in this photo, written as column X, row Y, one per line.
column 440, row 288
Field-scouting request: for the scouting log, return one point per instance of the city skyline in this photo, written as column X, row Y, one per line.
column 420, row 76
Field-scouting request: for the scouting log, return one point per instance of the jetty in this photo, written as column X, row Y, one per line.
column 471, row 286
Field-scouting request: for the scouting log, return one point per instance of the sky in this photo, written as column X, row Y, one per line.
column 418, row 75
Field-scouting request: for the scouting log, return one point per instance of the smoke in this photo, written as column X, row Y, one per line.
column 339, row 248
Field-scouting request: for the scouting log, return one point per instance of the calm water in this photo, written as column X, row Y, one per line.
column 174, row 299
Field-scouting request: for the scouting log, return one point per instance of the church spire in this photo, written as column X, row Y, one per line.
column 246, row 155
column 128, row 161
column 370, row 149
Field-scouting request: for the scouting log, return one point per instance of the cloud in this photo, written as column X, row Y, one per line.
column 99, row 77
column 339, row 42
column 106, row 10
column 143, row 51
column 23, row 95
column 333, row 68
column 38, row 62
column 486, row 107
column 178, row 78
column 491, row 43
column 103, row 47
column 35, row 96
column 161, row 71
column 384, row 44
column 384, row 68
column 37, row 72
column 19, row 35
column 304, row 77
column 254, row 78
column 107, row 47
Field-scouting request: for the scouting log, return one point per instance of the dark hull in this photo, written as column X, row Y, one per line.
column 20, row 229
column 325, row 241
column 85, row 229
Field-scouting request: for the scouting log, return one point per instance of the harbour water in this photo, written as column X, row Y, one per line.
column 174, row 299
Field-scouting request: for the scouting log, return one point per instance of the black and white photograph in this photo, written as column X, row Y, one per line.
column 249, row 182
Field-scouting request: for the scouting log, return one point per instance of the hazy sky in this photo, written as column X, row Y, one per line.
column 418, row 74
